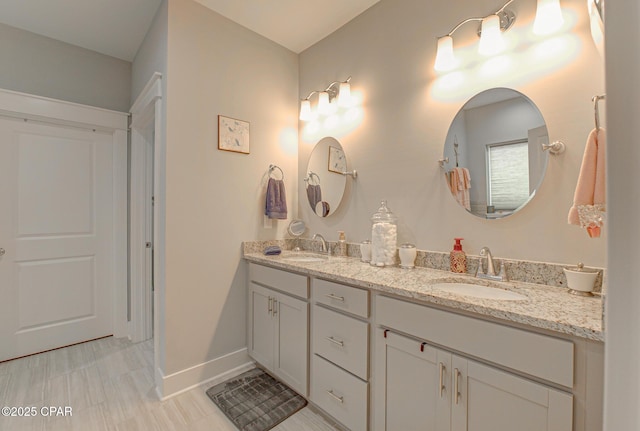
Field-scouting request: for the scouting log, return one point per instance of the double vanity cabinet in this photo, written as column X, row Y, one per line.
column 373, row 360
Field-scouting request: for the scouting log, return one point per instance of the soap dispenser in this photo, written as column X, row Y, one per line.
column 457, row 258
column 342, row 245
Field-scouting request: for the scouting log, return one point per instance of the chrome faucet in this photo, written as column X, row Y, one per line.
column 491, row 267
column 322, row 241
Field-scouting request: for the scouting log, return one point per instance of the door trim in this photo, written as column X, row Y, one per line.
column 146, row 129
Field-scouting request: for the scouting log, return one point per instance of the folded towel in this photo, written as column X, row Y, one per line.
column 272, row 250
column 589, row 198
column 276, row 200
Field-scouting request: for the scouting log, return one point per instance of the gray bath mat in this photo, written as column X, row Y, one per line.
column 255, row 401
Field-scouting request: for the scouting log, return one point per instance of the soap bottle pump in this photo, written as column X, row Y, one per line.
column 457, row 258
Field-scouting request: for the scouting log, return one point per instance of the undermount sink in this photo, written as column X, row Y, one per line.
column 306, row 258
column 477, row 291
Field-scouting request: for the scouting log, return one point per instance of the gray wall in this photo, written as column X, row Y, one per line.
column 152, row 54
column 46, row 67
column 622, row 319
column 407, row 108
column 215, row 199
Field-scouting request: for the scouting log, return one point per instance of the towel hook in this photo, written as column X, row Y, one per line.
column 596, row 110
column 442, row 162
column 274, row 167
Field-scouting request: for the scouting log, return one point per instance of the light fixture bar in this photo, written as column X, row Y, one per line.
column 337, row 89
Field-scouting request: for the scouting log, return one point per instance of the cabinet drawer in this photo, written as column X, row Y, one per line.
column 294, row 284
column 340, row 394
column 341, row 297
column 537, row 355
column 342, row 340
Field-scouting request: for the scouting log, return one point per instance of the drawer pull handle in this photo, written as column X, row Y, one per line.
column 443, row 369
column 275, row 306
column 334, row 341
column 456, row 382
column 335, row 397
column 270, row 305
column 337, row 298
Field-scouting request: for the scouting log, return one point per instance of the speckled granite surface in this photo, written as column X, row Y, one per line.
column 550, row 274
column 546, row 307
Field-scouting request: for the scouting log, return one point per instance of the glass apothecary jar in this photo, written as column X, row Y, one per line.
column 384, row 236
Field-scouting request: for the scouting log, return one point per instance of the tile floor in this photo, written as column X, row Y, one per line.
column 108, row 384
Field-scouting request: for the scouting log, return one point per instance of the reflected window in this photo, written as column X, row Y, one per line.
column 508, row 174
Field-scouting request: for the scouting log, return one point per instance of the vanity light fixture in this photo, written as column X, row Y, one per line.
column 548, row 20
column 337, row 92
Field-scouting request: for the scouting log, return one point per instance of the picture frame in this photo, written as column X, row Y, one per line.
column 233, row 135
column 337, row 160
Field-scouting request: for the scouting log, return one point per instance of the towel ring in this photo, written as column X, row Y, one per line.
column 442, row 162
column 309, row 178
column 273, row 168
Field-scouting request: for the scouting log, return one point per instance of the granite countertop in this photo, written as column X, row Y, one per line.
column 546, row 307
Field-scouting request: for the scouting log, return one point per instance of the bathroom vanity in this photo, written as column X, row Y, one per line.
column 385, row 349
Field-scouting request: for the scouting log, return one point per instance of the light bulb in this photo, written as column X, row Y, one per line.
column 491, row 41
column 548, row 17
column 445, row 59
column 323, row 103
column 344, row 96
column 305, row 110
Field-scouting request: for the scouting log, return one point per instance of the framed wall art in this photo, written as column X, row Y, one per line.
column 233, row 135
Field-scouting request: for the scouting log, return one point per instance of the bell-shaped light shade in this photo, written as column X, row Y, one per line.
column 344, row 96
column 445, row 60
column 305, row 110
column 323, row 103
column 491, row 41
column 548, row 17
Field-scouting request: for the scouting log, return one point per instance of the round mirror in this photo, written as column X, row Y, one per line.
column 296, row 228
column 495, row 157
column 325, row 180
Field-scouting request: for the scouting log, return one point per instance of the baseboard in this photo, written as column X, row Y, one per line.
column 214, row 371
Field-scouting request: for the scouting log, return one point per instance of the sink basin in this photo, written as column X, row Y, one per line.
column 482, row 292
column 306, row 258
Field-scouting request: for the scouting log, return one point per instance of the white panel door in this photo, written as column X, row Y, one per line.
column 494, row 400
column 414, row 378
column 56, row 227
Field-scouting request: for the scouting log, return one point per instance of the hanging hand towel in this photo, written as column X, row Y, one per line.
column 589, row 199
column 276, row 202
column 314, row 194
column 460, row 183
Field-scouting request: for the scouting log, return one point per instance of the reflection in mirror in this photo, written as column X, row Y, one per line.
column 494, row 145
column 324, row 180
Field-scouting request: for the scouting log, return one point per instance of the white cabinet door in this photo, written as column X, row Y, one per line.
column 292, row 341
column 278, row 338
column 261, row 347
column 493, row 400
column 413, row 385
column 56, row 229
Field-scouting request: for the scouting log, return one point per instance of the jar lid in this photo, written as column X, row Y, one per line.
column 407, row 245
column 580, row 268
column 383, row 214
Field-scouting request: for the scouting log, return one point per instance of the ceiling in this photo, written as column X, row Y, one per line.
column 117, row 27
